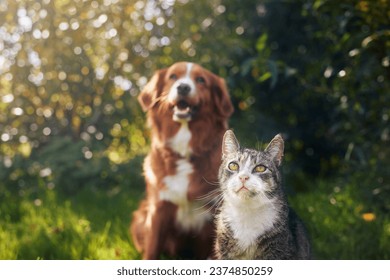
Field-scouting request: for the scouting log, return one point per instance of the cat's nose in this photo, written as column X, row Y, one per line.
column 243, row 178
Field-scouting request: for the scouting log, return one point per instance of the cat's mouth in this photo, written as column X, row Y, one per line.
column 245, row 192
column 243, row 188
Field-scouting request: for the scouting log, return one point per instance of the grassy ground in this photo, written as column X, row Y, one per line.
column 93, row 224
column 345, row 220
column 89, row 225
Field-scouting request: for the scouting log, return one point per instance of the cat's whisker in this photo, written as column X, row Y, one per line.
column 212, row 201
column 210, row 205
column 211, row 192
column 219, row 203
column 210, row 182
column 265, row 197
column 209, row 195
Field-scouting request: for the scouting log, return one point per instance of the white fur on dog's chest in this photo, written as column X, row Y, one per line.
column 188, row 215
column 177, row 185
column 180, row 143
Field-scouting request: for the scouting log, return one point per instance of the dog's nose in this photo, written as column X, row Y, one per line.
column 183, row 89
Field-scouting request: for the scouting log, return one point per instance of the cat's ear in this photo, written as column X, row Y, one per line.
column 229, row 144
column 276, row 148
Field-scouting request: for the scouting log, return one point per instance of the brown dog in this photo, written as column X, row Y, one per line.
column 187, row 108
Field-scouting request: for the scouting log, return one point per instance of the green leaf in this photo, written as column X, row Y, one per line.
column 261, row 42
column 264, row 77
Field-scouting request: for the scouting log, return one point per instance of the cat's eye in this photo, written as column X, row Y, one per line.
column 233, row 166
column 260, row 169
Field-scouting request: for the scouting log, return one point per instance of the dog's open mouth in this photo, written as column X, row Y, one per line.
column 183, row 111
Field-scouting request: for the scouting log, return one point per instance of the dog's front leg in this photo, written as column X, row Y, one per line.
column 161, row 225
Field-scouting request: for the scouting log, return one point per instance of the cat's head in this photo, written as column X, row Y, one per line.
column 248, row 175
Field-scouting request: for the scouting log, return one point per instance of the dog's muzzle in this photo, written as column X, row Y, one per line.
column 183, row 109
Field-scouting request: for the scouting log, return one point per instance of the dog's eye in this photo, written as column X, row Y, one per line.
column 173, row 77
column 233, row 166
column 200, row 80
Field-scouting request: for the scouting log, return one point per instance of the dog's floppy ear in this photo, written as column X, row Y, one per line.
column 221, row 97
column 152, row 90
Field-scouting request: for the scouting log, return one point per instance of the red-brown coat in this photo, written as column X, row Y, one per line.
column 187, row 108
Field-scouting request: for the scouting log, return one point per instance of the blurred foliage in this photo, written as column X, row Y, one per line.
column 329, row 87
column 316, row 70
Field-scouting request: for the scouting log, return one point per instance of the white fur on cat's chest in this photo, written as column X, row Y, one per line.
column 248, row 224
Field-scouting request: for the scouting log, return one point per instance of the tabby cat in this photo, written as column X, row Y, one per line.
column 254, row 219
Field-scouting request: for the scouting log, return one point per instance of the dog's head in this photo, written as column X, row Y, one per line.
column 186, row 90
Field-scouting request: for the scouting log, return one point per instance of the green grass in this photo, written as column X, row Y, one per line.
column 345, row 221
column 89, row 225
column 93, row 224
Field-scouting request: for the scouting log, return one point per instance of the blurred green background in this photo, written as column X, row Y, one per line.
column 73, row 137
